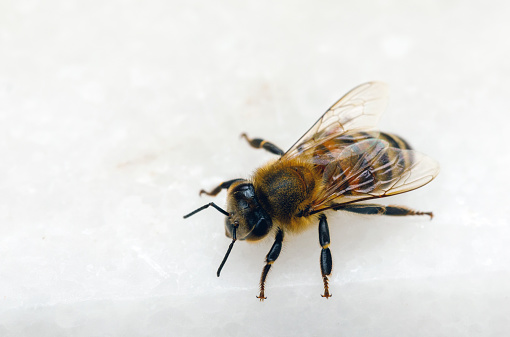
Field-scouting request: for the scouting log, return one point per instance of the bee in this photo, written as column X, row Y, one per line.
column 341, row 162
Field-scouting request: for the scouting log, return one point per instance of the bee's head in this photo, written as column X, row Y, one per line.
column 246, row 219
column 250, row 220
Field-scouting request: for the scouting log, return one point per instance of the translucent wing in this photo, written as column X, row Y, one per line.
column 371, row 169
column 360, row 108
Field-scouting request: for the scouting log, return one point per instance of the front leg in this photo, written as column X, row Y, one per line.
column 326, row 260
column 270, row 258
column 223, row 185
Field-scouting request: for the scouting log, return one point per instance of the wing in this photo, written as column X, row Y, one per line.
column 372, row 169
column 360, row 108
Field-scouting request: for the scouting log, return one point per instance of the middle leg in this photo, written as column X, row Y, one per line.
column 326, row 260
column 259, row 143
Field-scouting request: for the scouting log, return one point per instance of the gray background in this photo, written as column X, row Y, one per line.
column 114, row 114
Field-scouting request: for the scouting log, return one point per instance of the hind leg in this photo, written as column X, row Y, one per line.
column 380, row 210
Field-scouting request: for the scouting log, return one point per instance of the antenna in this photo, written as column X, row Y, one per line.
column 234, row 238
column 221, row 210
column 234, row 235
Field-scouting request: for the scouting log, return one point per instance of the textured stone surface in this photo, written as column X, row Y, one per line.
column 114, row 114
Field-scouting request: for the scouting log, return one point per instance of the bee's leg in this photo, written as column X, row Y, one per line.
column 260, row 143
column 326, row 260
column 223, row 185
column 270, row 258
column 381, row 210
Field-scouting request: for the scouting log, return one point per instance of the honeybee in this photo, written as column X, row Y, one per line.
column 338, row 163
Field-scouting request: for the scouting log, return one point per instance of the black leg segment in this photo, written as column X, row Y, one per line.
column 223, row 185
column 259, row 143
column 273, row 254
column 326, row 260
column 380, row 210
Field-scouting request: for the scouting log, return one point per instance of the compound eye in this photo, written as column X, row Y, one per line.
column 261, row 229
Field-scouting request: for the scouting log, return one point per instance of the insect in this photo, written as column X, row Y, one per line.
column 337, row 165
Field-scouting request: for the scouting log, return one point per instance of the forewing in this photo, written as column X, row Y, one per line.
column 372, row 169
column 360, row 108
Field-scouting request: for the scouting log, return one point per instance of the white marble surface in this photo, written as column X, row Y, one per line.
column 114, row 114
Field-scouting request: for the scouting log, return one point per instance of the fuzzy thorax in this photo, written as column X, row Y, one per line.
column 285, row 188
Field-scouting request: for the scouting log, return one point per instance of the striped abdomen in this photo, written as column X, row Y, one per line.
column 360, row 162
